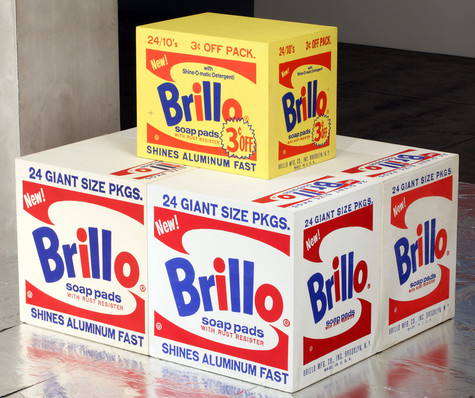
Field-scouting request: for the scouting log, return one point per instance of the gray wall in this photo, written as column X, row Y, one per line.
column 59, row 83
column 68, row 65
column 435, row 26
column 9, row 127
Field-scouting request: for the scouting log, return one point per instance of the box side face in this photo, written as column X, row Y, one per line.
column 202, row 101
column 337, row 271
column 221, row 290
column 82, row 241
column 419, row 251
column 303, row 100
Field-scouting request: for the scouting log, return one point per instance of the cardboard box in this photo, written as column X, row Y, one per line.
column 280, row 282
column 419, row 230
column 82, row 245
column 243, row 270
column 243, row 95
column 273, row 282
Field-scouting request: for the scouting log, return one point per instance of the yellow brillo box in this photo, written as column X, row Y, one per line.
column 243, row 95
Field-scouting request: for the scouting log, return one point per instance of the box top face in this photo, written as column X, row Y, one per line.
column 372, row 148
column 295, row 190
column 359, row 163
column 359, row 158
column 110, row 154
column 236, row 27
column 89, row 153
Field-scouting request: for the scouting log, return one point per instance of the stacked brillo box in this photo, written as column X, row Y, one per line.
column 224, row 245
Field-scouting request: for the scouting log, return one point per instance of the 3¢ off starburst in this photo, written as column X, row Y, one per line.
column 238, row 139
column 321, row 130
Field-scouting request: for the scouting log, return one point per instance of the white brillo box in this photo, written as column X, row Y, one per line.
column 419, row 230
column 274, row 282
column 82, row 246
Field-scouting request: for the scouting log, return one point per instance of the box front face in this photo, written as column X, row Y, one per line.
column 82, row 254
column 419, row 260
column 220, row 286
column 303, row 100
column 202, row 101
column 337, row 283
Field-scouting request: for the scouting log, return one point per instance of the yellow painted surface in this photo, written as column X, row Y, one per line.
column 243, row 95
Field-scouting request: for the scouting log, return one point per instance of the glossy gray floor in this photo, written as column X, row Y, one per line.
column 437, row 363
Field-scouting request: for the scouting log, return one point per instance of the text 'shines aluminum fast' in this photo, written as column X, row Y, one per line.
column 243, row 95
column 274, row 282
column 82, row 240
